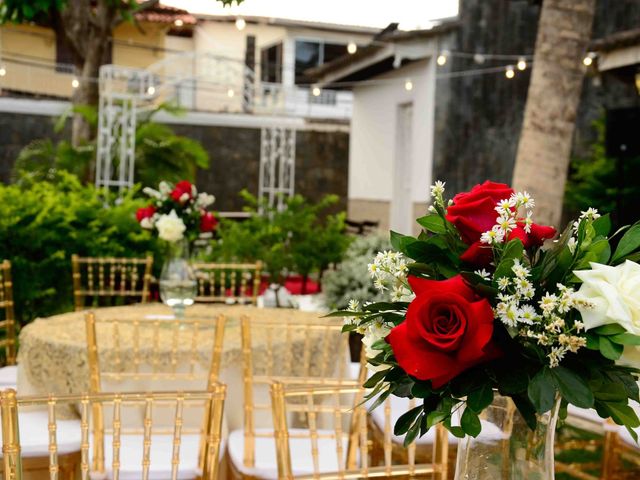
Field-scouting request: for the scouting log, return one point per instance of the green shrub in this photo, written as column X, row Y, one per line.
column 42, row 224
column 351, row 280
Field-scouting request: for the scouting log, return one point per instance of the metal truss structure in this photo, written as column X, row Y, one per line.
column 187, row 80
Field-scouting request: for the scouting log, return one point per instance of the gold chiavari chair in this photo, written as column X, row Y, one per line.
column 621, row 453
column 154, row 451
column 228, row 282
column 152, row 355
column 8, row 373
column 101, row 280
column 340, row 449
column 288, row 351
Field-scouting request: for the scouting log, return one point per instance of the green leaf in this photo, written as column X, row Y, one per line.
column 611, row 392
column 513, row 249
column 412, row 434
column 622, row 414
column 609, row 329
column 593, row 341
column 406, row 420
column 572, row 387
column 373, row 380
column 602, row 225
column 629, row 242
column 633, row 434
column 480, row 398
column 526, row 409
column 399, row 242
column 470, row 422
column 542, row 390
column 625, row 339
column 610, row 350
column 433, row 223
column 421, row 390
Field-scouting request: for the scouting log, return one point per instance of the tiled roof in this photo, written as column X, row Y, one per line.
column 165, row 14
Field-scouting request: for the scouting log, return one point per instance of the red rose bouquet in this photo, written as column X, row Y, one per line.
column 177, row 212
column 479, row 304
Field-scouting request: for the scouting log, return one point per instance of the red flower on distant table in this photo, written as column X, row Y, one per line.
column 145, row 212
column 182, row 188
column 447, row 330
column 473, row 213
column 208, row 222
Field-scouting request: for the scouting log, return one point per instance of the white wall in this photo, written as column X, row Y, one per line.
column 373, row 134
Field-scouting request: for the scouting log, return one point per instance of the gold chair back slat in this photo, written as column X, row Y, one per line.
column 212, row 401
column 7, row 317
column 294, row 352
column 228, row 282
column 316, row 405
column 97, row 280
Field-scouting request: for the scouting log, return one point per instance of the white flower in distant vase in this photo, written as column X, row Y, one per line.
column 164, row 188
column 146, row 223
column 204, row 200
column 170, row 227
column 610, row 295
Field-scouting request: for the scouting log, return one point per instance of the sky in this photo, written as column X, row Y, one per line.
column 411, row 14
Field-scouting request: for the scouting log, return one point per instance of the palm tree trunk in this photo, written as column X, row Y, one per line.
column 544, row 150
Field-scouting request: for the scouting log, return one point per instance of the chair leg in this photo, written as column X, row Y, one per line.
column 609, row 459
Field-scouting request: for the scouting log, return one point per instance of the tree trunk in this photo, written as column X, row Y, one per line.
column 87, row 92
column 544, row 150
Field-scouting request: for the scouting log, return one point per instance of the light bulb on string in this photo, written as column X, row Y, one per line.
column 442, row 58
column 3, row 71
column 479, row 58
column 151, row 90
column 240, row 23
column 230, row 93
column 408, row 85
column 522, row 64
column 178, row 22
column 588, row 59
column 352, row 48
column 509, row 72
column 315, row 91
column 75, row 83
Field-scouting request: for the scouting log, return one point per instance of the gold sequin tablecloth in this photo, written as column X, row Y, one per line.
column 53, row 354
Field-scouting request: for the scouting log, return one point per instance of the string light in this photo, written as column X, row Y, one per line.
column 3, row 71
column 408, row 85
column 478, row 58
column 352, row 48
column 509, row 72
column 442, row 58
column 75, row 83
column 588, row 60
column 151, row 90
column 178, row 22
column 230, row 93
column 240, row 23
column 316, row 91
column 522, row 64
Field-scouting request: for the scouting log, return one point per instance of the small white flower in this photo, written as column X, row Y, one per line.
column 556, row 356
column 204, row 200
column 503, row 283
column 437, row 189
column 528, row 221
column 184, row 197
column 492, row 236
column 151, row 192
column 432, row 209
column 528, row 315
column 571, row 244
column 548, row 302
column 506, row 224
column 590, row 214
column 146, row 223
column 165, row 188
column 373, row 269
column 520, row 270
column 483, row 274
column 354, row 305
column 170, row 227
column 524, row 199
column 379, row 285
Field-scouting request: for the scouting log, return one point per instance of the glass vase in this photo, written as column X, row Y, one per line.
column 507, row 449
column 178, row 285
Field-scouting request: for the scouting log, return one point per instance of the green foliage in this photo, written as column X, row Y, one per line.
column 350, row 280
column 160, row 154
column 295, row 239
column 42, row 224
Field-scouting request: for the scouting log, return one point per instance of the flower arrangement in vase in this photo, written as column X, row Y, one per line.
column 483, row 310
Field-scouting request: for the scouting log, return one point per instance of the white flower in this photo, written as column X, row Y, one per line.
column 506, row 224
column 437, row 189
column 170, row 227
column 613, row 293
column 374, row 332
column 556, row 356
column 528, row 315
column 354, row 305
column 528, row 221
column 503, row 283
column 184, row 197
column 379, row 285
column 432, row 209
column 165, row 188
column 520, row 270
column 504, row 206
column 492, row 236
column 151, row 192
column 483, row 274
column 572, row 245
column 524, row 199
column 590, row 214
column 146, row 223
column 548, row 302
column 204, row 200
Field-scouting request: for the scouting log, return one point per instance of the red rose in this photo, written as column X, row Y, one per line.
column 447, row 330
column 208, row 222
column 145, row 212
column 473, row 213
column 183, row 187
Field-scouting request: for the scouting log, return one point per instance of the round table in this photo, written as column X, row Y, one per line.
column 53, row 352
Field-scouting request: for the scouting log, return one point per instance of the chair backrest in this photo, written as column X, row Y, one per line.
column 292, row 351
column 341, row 448
column 106, row 280
column 210, row 402
column 228, row 282
column 7, row 317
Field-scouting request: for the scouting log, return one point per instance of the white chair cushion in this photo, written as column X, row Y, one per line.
column 266, row 465
column 9, row 377
column 131, row 449
column 34, row 434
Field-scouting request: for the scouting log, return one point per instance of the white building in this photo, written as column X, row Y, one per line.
column 391, row 145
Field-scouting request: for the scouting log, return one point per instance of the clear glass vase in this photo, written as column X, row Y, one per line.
column 507, row 449
column 178, row 285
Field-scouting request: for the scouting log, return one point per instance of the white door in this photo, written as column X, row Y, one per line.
column 401, row 204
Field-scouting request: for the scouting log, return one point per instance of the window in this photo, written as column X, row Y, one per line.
column 271, row 64
column 310, row 53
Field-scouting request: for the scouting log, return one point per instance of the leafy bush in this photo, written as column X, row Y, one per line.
column 297, row 238
column 42, row 224
column 350, row 280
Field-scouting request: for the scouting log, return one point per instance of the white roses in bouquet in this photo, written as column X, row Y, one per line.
column 610, row 295
column 170, row 227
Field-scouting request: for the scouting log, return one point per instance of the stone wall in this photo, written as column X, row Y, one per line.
column 479, row 117
column 322, row 157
